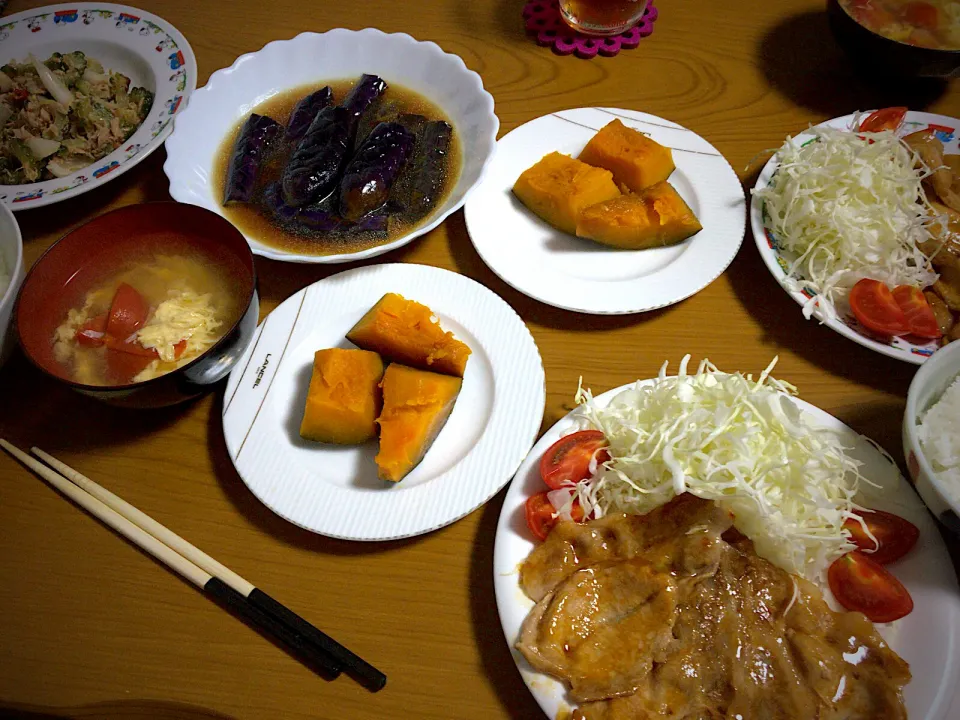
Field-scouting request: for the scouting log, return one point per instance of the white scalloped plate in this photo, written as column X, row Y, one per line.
column 575, row 274
column 778, row 260
column 927, row 638
column 142, row 46
column 334, row 490
column 232, row 93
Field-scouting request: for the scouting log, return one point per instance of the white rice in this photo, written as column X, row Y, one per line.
column 939, row 433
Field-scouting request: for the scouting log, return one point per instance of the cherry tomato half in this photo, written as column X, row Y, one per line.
column 128, row 312
column 895, row 535
column 862, row 585
column 874, row 306
column 884, row 119
column 92, row 331
column 921, row 15
column 920, row 318
column 569, row 457
column 539, row 513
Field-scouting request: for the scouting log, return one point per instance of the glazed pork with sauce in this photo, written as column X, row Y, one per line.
column 673, row 615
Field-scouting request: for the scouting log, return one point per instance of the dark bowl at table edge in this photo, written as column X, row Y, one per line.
column 193, row 379
column 875, row 53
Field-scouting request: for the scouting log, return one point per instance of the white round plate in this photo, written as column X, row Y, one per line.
column 927, row 638
column 334, row 490
column 144, row 47
column 231, row 94
column 778, row 260
column 575, row 274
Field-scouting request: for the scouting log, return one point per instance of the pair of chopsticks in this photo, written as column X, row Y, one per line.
column 311, row 646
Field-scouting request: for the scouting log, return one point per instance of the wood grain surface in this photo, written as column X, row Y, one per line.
column 90, row 627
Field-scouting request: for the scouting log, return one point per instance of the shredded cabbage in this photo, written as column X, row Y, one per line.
column 850, row 205
column 743, row 443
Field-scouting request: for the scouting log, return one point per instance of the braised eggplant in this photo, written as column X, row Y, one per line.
column 371, row 173
column 321, row 178
column 313, row 168
column 248, row 151
column 361, row 98
column 306, row 110
column 429, row 172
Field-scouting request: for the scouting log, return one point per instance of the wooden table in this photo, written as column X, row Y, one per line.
column 91, row 627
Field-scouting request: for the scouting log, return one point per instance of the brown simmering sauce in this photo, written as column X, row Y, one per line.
column 255, row 221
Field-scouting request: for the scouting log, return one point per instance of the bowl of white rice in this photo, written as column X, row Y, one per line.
column 931, row 434
column 11, row 275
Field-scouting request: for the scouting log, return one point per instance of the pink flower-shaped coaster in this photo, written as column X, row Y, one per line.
column 543, row 19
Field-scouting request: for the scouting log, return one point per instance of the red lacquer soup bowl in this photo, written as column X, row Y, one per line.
column 105, row 246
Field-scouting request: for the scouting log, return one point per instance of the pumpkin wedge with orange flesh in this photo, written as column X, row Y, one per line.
column 407, row 332
column 655, row 218
column 416, row 406
column 558, row 187
column 344, row 397
column 635, row 160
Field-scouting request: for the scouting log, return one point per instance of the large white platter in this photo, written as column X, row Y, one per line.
column 144, row 47
column 778, row 259
column 927, row 638
column 575, row 274
column 334, row 490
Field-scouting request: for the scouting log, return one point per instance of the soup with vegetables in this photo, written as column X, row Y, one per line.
column 157, row 314
column 924, row 23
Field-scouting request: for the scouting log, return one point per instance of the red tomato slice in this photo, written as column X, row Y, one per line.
column 128, row 312
column 920, row 15
column 862, row 585
column 539, row 513
column 920, row 318
column 179, row 348
column 92, row 331
column 884, row 119
column 873, row 305
column 129, row 348
column 895, row 535
column 123, row 366
column 569, row 458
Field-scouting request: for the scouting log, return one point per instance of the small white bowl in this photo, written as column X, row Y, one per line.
column 931, row 380
column 11, row 260
column 231, row 94
column 142, row 46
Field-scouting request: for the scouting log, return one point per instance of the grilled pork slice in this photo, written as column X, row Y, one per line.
column 641, row 637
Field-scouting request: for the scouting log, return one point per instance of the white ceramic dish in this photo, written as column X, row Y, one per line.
column 339, row 54
column 576, row 274
column 334, row 490
column 927, row 638
column 142, row 46
column 11, row 276
column 778, row 260
column 933, row 377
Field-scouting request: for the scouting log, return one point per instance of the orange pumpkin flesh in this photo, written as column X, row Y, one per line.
column 344, row 397
column 655, row 218
column 558, row 187
column 416, row 405
column 405, row 331
column 635, row 160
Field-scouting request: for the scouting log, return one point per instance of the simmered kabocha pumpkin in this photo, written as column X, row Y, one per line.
column 558, row 187
column 416, row 405
column 344, row 398
column 405, row 331
column 635, row 160
column 656, row 217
